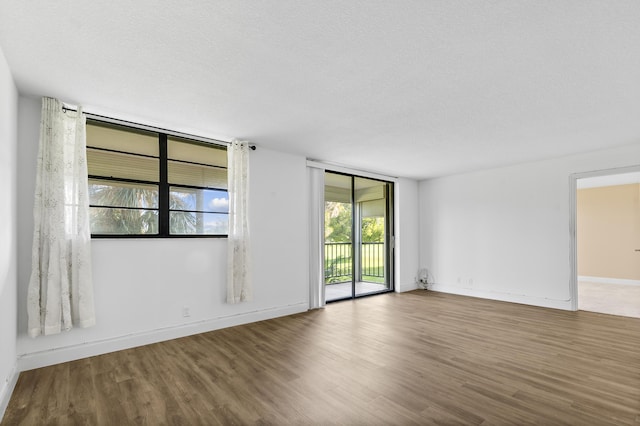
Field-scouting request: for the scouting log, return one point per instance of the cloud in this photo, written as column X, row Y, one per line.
column 219, row 204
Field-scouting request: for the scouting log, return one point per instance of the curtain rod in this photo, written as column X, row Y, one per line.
column 139, row 126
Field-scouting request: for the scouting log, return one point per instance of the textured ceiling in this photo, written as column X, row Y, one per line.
column 405, row 88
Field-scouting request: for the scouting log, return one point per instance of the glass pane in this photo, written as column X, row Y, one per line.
column 192, row 223
column 356, row 239
column 181, row 149
column 337, row 188
column 122, row 194
column 338, row 215
column 338, row 247
column 197, row 175
column 119, row 138
column 373, row 258
column 123, row 221
column 208, row 200
column 371, row 201
column 123, row 166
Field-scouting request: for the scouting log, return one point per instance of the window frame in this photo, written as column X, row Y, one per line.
column 163, row 184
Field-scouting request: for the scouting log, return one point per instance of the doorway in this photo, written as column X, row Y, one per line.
column 358, row 236
column 608, row 242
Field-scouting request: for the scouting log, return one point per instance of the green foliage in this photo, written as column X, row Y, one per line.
column 337, row 220
column 373, row 229
column 181, row 222
column 338, row 260
column 125, row 221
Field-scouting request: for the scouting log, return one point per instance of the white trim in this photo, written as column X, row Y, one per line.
column 573, row 242
column 7, row 389
column 606, row 172
column 83, row 350
column 407, row 287
column 573, row 218
column 605, row 280
column 609, row 180
column 504, row 297
column 343, row 169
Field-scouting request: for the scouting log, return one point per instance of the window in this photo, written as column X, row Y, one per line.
column 144, row 183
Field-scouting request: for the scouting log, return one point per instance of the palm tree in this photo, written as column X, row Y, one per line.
column 181, row 222
column 133, row 210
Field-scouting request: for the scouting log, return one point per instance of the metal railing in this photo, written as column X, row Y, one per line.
column 372, row 255
column 337, row 262
column 338, row 265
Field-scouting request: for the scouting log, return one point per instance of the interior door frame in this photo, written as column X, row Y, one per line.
column 573, row 223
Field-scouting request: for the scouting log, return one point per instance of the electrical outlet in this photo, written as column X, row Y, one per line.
column 186, row 312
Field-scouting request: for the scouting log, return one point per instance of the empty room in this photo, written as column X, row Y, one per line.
column 316, row 212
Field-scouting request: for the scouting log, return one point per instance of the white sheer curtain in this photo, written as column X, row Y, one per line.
column 316, row 237
column 238, row 266
column 60, row 293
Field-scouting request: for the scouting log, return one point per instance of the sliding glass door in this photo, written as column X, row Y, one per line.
column 358, row 237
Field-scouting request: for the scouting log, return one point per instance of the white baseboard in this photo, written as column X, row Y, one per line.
column 7, row 389
column 504, row 297
column 39, row 359
column 406, row 287
column 603, row 280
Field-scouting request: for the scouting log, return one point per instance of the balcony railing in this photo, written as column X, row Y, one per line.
column 338, row 265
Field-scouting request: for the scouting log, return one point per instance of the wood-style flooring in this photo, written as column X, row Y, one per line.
column 393, row 359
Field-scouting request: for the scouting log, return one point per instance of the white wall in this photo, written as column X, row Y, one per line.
column 407, row 241
column 142, row 285
column 8, row 146
column 504, row 233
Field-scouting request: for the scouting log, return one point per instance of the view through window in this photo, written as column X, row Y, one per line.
column 144, row 183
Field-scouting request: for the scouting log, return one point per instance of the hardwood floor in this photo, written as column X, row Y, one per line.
column 412, row 358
